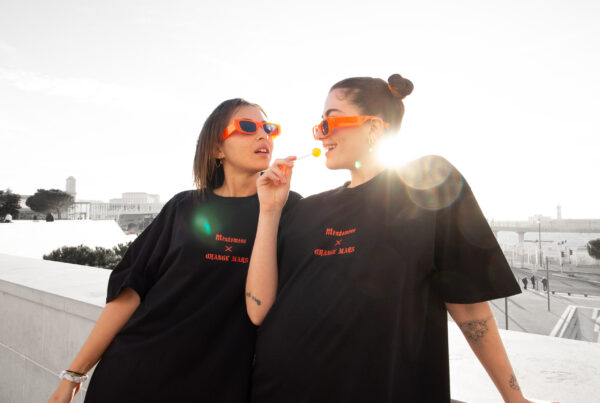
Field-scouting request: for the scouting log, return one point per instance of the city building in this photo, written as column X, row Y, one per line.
column 133, row 211
column 137, row 198
column 71, row 187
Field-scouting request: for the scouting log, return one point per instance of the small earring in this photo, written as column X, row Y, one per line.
column 219, row 163
column 371, row 143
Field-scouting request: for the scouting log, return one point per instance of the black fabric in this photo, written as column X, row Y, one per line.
column 190, row 340
column 364, row 274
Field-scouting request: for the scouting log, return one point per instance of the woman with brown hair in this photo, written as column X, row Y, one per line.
column 365, row 274
column 175, row 328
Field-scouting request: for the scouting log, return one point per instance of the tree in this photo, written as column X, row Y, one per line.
column 9, row 203
column 86, row 256
column 49, row 201
column 593, row 248
column 121, row 248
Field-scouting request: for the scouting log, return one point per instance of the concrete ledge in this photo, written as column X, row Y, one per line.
column 547, row 368
column 566, row 327
column 48, row 309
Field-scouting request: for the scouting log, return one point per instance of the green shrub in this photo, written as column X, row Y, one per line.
column 84, row 255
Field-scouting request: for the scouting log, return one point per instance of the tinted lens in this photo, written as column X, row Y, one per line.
column 325, row 127
column 248, row 126
column 270, row 129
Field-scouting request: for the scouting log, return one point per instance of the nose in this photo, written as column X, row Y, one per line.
column 261, row 134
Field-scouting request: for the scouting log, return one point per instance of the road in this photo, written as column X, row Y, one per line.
column 566, row 282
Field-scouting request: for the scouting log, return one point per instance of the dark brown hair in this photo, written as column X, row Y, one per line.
column 377, row 97
column 208, row 173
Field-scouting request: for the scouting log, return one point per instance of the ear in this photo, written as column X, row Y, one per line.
column 376, row 128
column 218, row 153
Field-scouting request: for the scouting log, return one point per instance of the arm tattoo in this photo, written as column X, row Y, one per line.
column 513, row 382
column 475, row 330
column 253, row 298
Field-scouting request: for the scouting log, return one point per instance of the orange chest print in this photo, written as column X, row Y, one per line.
column 338, row 242
column 225, row 251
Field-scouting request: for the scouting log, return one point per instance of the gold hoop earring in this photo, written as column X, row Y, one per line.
column 219, row 163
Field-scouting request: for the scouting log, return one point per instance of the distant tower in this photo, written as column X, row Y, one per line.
column 558, row 213
column 71, row 186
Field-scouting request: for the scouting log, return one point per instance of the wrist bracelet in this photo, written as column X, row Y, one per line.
column 73, row 376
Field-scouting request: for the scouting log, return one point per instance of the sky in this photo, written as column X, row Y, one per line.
column 115, row 93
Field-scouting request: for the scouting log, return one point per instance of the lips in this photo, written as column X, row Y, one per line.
column 263, row 149
column 329, row 147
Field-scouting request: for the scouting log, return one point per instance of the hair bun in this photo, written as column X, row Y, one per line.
column 400, row 87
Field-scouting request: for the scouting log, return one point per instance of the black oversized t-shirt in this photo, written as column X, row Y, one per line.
column 190, row 340
column 363, row 276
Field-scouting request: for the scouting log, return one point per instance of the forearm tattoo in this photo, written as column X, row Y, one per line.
column 513, row 382
column 475, row 330
column 253, row 298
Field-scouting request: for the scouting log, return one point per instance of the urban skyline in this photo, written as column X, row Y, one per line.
column 71, row 185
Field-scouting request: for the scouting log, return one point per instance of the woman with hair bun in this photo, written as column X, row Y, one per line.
column 175, row 327
column 366, row 274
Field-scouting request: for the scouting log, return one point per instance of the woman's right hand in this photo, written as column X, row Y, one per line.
column 273, row 185
column 65, row 392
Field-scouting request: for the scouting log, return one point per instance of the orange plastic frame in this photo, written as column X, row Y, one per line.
column 235, row 126
column 342, row 121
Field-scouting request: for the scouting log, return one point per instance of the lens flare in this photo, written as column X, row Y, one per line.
column 388, row 151
column 201, row 224
column 396, row 150
column 431, row 182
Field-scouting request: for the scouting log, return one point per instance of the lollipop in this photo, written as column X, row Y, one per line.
column 316, row 152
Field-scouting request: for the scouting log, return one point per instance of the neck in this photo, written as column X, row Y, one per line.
column 237, row 184
column 367, row 171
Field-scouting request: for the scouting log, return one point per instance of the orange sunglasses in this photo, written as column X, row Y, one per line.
column 328, row 125
column 247, row 126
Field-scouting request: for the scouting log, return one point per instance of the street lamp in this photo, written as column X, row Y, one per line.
column 539, row 221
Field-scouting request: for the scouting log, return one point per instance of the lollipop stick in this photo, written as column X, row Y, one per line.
column 315, row 153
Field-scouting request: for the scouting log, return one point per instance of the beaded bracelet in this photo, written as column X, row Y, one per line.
column 73, row 376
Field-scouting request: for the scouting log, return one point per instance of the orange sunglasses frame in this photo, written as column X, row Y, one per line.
column 235, row 126
column 342, row 121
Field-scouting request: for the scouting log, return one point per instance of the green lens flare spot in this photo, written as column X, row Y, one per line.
column 357, row 164
column 201, row 224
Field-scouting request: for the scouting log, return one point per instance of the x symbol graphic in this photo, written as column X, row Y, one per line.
column 338, row 242
column 228, row 248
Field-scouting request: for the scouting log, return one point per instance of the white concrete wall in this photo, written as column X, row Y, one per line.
column 47, row 309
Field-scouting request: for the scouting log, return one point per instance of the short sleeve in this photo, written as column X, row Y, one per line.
column 293, row 199
column 139, row 267
column 470, row 265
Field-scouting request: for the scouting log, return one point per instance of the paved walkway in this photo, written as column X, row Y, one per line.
column 528, row 311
